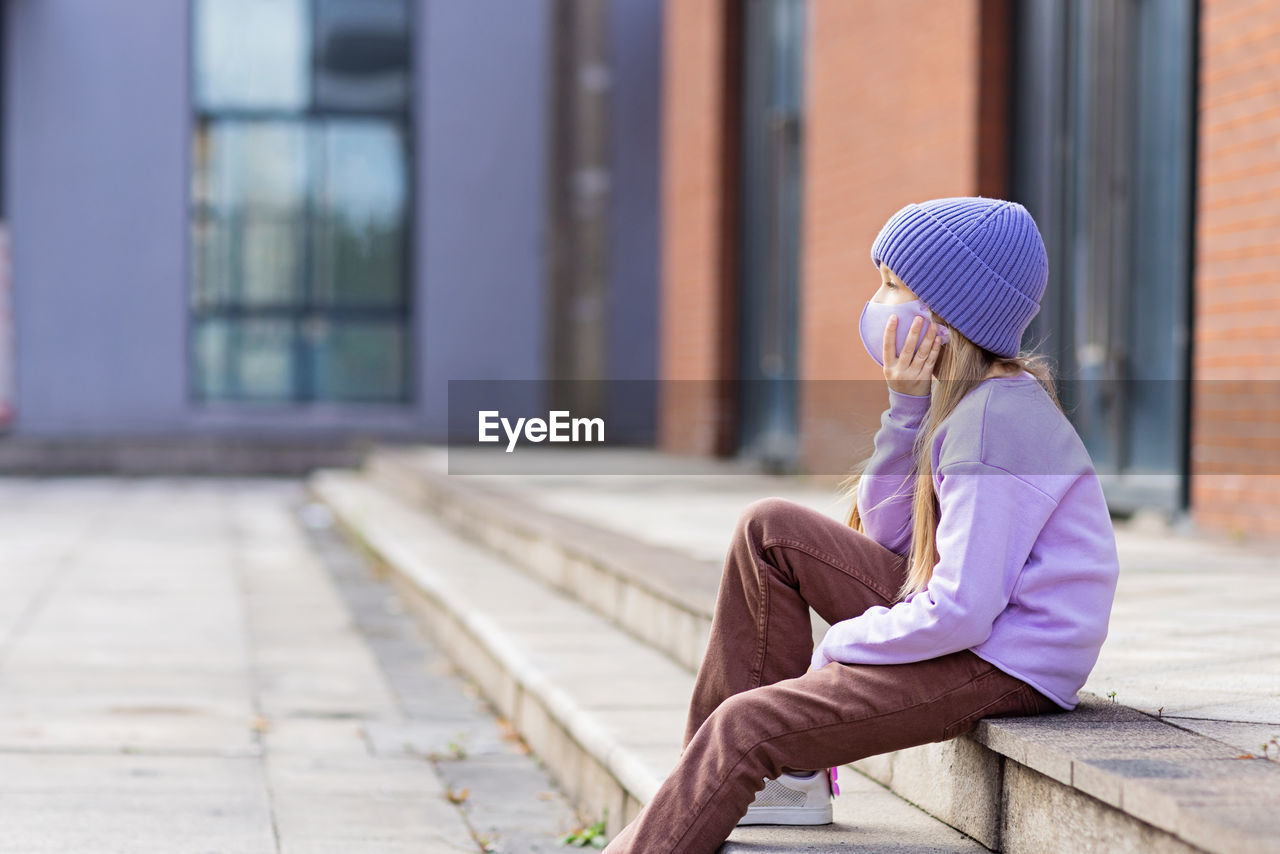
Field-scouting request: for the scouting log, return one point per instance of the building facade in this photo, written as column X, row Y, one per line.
column 1140, row 135
column 301, row 218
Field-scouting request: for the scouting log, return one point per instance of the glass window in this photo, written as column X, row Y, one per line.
column 300, row 200
column 252, row 54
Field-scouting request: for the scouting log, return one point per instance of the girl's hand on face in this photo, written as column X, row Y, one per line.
column 912, row 370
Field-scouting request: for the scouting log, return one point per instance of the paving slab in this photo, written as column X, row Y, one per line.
column 60, row 802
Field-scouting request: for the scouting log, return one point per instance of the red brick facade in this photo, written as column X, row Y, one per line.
column 906, row 99
column 696, row 319
column 1236, row 327
column 891, row 117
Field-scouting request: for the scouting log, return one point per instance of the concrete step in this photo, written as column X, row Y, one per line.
column 657, row 595
column 604, row 711
column 1104, row 776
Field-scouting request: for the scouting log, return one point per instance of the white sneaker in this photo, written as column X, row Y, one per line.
column 792, row 800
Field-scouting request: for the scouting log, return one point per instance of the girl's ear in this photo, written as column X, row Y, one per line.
column 943, row 331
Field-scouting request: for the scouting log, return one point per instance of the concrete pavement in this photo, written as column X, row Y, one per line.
column 200, row 665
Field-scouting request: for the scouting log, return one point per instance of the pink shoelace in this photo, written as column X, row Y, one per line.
column 835, row 788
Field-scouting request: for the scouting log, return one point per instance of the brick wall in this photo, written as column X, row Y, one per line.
column 1235, row 431
column 893, row 117
column 695, row 305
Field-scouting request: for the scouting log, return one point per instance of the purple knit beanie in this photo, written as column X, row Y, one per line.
column 978, row 262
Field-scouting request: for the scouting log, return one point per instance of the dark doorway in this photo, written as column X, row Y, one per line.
column 772, row 126
column 1103, row 141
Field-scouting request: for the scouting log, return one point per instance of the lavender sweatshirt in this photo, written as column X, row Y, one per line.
column 1027, row 564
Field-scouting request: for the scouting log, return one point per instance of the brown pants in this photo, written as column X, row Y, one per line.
column 757, row 710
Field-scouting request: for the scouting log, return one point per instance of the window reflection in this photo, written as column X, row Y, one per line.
column 362, row 54
column 247, row 359
column 360, row 214
column 359, row 359
column 250, row 196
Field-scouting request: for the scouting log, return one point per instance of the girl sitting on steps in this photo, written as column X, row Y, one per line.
column 973, row 578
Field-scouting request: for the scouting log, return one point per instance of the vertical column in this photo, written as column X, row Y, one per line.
column 579, row 204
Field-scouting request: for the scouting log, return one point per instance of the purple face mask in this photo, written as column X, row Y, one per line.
column 875, row 318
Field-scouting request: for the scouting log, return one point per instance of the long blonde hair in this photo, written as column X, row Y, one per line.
column 961, row 365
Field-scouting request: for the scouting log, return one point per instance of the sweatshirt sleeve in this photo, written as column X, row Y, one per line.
column 988, row 522
column 885, row 488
